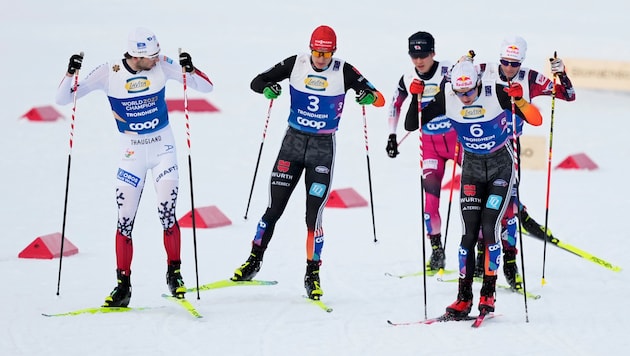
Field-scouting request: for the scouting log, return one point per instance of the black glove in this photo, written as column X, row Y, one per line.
column 392, row 146
column 75, row 63
column 185, row 60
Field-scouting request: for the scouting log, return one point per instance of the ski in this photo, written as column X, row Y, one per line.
column 440, row 319
column 230, row 283
column 520, row 291
column 97, row 310
column 529, row 295
column 185, row 304
column 479, row 319
column 574, row 250
column 428, row 272
column 319, row 303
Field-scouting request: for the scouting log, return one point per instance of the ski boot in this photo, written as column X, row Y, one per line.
column 311, row 280
column 436, row 262
column 486, row 300
column 534, row 228
column 174, row 280
column 121, row 295
column 250, row 268
column 460, row 308
column 510, row 270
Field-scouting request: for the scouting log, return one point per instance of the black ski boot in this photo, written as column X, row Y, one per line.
column 534, row 228
column 311, row 280
column 250, row 268
column 510, row 270
column 174, row 280
column 437, row 255
column 121, row 295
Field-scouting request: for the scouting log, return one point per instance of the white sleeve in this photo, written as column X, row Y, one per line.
column 97, row 79
column 196, row 80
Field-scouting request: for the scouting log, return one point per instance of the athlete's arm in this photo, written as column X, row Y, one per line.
column 196, row 79
column 355, row 80
column 400, row 94
column 275, row 74
column 97, row 79
column 529, row 112
column 541, row 85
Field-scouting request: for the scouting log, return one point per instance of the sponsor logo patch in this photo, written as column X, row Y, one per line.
column 128, row 177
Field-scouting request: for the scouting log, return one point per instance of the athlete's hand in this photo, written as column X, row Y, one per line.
column 515, row 90
column 272, row 91
column 379, row 102
column 557, row 66
column 416, row 87
column 185, row 60
column 365, row 97
column 392, row 146
column 75, row 63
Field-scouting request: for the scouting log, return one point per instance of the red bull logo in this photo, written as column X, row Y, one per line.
column 464, row 82
column 513, row 51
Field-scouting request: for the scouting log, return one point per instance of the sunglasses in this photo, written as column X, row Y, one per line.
column 511, row 64
column 321, row 54
column 466, row 93
column 421, row 55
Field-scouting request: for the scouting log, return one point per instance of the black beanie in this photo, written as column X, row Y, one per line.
column 421, row 42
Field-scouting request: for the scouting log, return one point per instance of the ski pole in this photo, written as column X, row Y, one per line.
column 553, row 109
column 262, row 142
column 450, row 196
column 190, row 176
column 404, row 137
column 517, row 168
column 65, row 200
column 367, row 156
column 423, row 237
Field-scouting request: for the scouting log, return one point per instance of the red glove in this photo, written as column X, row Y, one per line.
column 416, row 87
column 515, row 90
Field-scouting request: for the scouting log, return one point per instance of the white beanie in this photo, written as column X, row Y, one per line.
column 464, row 76
column 514, row 47
column 142, row 43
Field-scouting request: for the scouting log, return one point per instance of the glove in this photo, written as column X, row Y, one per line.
column 515, row 90
column 365, row 97
column 75, row 63
column 416, row 87
column 272, row 91
column 392, row 146
column 185, row 60
column 557, row 66
column 379, row 102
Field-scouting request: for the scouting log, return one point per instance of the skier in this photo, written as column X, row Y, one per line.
column 510, row 70
column 318, row 83
column 478, row 108
column 135, row 88
column 438, row 136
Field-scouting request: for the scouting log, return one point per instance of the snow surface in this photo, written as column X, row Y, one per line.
column 581, row 309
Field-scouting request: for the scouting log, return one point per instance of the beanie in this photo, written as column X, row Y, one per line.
column 421, row 43
column 464, row 76
column 142, row 43
column 324, row 39
column 514, row 47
